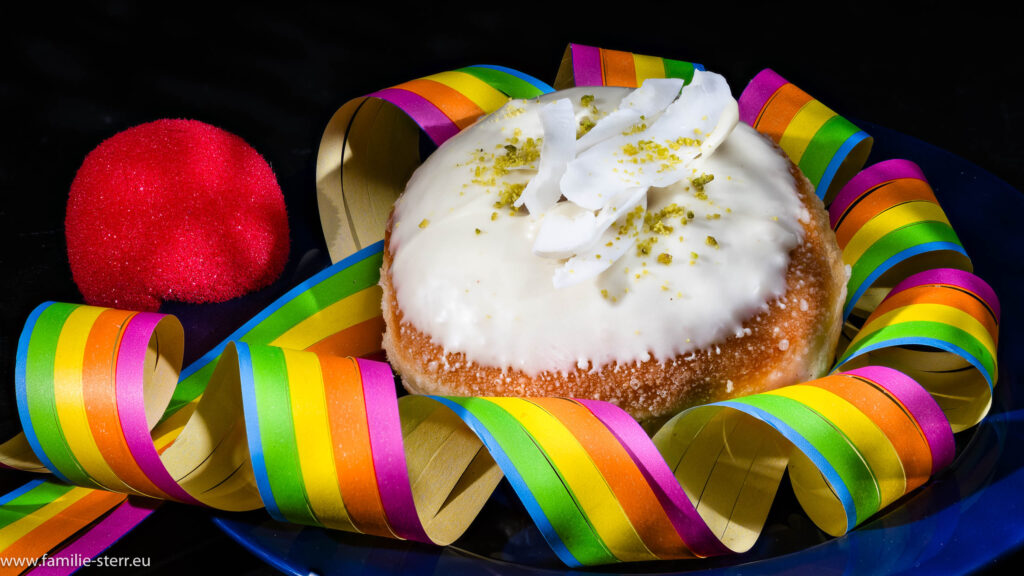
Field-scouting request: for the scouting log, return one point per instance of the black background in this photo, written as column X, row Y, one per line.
column 69, row 78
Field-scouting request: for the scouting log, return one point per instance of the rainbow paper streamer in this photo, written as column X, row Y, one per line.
column 954, row 314
column 69, row 361
column 828, row 148
column 856, row 443
column 327, row 443
column 445, row 103
column 290, row 414
column 40, row 515
column 589, row 66
column 371, row 145
column 887, row 217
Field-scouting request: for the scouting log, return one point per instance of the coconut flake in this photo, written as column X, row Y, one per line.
column 569, row 229
column 558, row 121
column 601, row 252
column 659, row 154
column 564, row 230
column 652, row 97
column 609, row 170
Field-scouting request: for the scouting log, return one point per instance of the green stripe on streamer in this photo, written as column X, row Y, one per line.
column 361, row 275
column 27, row 503
column 826, row 142
column 926, row 334
column 678, row 69
column 41, row 400
column 510, row 85
column 545, row 484
column 190, row 388
column 832, row 443
column 337, row 286
column 916, row 234
column 277, row 434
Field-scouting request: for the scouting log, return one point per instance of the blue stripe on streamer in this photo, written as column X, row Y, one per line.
column 539, row 84
column 518, row 484
column 932, row 342
column 21, row 390
column 894, row 260
column 837, row 161
column 20, row 491
column 252, row 431
column 819, row 460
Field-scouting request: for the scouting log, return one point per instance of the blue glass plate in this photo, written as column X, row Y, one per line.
column 959, row 522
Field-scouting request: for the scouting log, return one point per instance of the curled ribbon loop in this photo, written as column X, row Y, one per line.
column 591, row 66
column 322, row 440
column 828, row 148
column 371, row 145
column 940, row 327
column 889, row 224
column 292, row 413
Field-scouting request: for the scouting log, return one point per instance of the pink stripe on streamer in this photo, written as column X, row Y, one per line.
column 868, row 179
column 387, row 449
column 101, row 536
column 690, row 526
column 757, row 93
column 953, row 277
column 922, row 407
column 131, row 407
column 586, row 66
column 428, row 116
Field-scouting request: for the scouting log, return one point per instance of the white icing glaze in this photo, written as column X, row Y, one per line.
column 464, row 271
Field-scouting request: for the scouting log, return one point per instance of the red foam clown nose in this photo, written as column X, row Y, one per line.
column 174, row 210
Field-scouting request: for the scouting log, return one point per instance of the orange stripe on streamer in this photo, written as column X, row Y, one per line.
column 780, row 111
column 459, row 109
column 890, row 416
column 876, row 201
column 635, row 495
column 351, row 439
column 57, row 525
column 101, row 402
column 358, row 340
column 892, row 195
column 953, row 298
column 619, row 68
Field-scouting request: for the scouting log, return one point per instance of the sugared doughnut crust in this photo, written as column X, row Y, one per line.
column 724, row 283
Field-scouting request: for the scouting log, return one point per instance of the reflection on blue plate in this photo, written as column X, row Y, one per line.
column 963, row 518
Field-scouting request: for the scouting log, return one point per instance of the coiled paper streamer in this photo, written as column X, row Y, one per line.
column 590, row 66
column 888, row 225
column 371, row 145
column 284, row 415
column 828, row 148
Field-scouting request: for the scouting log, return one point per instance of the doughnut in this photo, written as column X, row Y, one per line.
column 641, row 247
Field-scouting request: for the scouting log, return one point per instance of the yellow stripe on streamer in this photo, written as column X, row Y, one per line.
column 358, row 307
column 68, row 393
column 313, row 439
column 648, row 67
column 14, row 531
column 481, row 93
column 592, row 493
column 801, row 130
column 866, row 437
column 932, row 313
column 892, row 219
